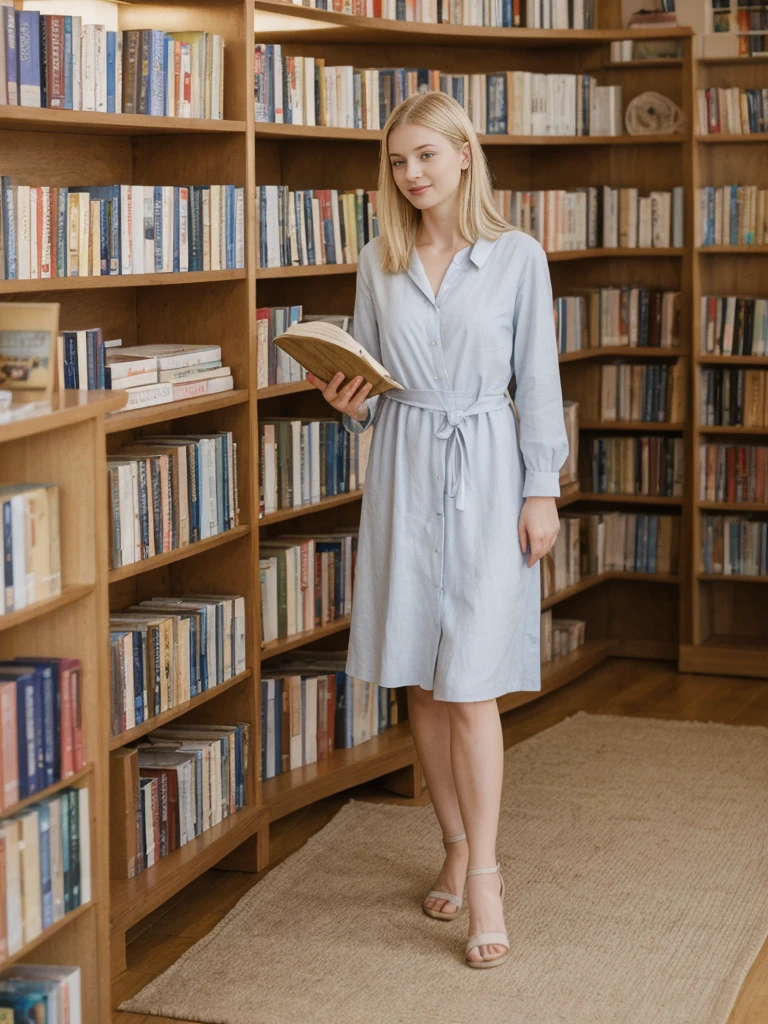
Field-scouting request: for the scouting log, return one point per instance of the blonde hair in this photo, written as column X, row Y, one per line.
column 398, row 219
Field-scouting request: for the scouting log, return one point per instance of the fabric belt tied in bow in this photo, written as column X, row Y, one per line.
column 450, row 427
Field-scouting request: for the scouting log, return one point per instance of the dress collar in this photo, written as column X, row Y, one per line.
column 481, row 250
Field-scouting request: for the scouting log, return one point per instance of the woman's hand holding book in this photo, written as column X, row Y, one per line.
column 350, row 400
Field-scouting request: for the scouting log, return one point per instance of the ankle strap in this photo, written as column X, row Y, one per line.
column 482, row 871
column 454, row 839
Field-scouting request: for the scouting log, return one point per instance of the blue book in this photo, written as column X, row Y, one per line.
column 48, row 674
column 231, row 211
column 176, row 227
column 278, row 765
column 46, row 889
column 496, row 87
column 28, row 711
column 11, row 58
column 111, row 77
column 28, row 49
column 68, row 88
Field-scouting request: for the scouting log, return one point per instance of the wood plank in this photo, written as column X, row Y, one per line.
column 188, row 551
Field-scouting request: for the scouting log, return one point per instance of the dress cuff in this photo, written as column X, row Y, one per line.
column 541, row 485
column 357, row 426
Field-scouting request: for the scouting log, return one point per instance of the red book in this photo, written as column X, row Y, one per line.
column 78, row 739
column 54, row 45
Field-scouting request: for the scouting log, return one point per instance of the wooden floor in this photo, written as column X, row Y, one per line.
column 617, row 687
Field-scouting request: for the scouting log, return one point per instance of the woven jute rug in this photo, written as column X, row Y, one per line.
column 635, row 854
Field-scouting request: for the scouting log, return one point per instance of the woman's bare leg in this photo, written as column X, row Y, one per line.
column 431, row 730
column 477, row 756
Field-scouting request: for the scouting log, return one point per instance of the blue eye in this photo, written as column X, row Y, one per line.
column 427, row 154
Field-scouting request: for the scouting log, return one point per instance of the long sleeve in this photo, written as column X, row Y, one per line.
column 366, row 333
column 538, row 395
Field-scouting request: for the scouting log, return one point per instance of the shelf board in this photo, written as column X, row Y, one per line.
column 624, row 351
column 66, row 409
column 131, row 899
column 569, row 493
column 47, row 934
column 559, row 672
column 264, row 273
column 704, row 429
column 387, row 752
column 87, row 122
column 175, row 712
column 731, row 139
column 635, row 499
column 656, row 62
column 58, row 284
column 629, row 425
column 285, row 26
column 732, row 250
column 732, row 360
column 268, row 130
column 587, row 582
column 717, row 577
column 318, row 506
column 732, row 506
column 131, row 419
column 147, row 564
column 289, row 643
column 275, row 390
column 69, row 594
column 48, row 792
column 726, row 655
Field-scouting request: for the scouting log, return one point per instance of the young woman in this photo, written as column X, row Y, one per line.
column 459, row 500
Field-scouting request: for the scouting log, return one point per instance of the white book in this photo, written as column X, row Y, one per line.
column 88, row 41
column 194, row 389
column 100, row 68
column 85, row 844
column 183, row 229
column 135, row 380
column 136, row 202
column 174, row 356
column 149, row 230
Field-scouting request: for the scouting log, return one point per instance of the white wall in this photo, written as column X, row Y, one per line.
column 93, row 12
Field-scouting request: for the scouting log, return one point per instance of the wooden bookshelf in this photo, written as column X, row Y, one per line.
column 723, row 630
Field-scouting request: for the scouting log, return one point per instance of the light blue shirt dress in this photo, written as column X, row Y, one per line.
column 443, row 596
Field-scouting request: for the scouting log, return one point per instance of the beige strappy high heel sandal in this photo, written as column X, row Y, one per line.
column 488, row 938
column 441, row 915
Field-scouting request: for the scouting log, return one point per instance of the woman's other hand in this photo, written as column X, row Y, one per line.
column 350, row 400
column 538, row 527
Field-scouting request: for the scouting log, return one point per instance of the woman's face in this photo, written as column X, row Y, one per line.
column 425, row 166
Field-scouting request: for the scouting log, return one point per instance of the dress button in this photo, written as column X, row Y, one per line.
column 438, row 476
column 437, row 551
column 434, row 343
column 435, row 378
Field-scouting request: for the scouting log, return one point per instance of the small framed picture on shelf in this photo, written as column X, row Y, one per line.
column 28, row 345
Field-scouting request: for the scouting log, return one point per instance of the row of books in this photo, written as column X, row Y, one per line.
column 733, row 397
column 626, row 315
column 306, row 581
column 596, row 217
column 734, row 545
column 179, row 782
column 643, row 393
column 91, row 231
column 169, row 491
column 166, row 650
column 731, row 111
column 557, row 14
column 560, row 636
column 301, row 462
column 303, row 90
column 56, row 61
column 733, row 472
column 273, row 365
column 651, row 466
column 41, row 725
column 312, row 227
column 149, row 374
column 732, row 325
column 41, row 992
column 732, row 215
column 593, row 543
column 311, row 707
column 31, row 553
column 45, row 866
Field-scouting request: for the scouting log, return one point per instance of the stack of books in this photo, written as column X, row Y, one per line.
column 170, row 491
column 91, row 231
column 46, row 992
column 732, row 325
column 650, row 393
column 560, row 636
column 302, row 90
column 734, row 546
column 733, row 473
column 632, row 316
column 651, row 466
column 167, row 650
column 733, row 397
column 157, row 374
column 46, row 865
column 306, row 581
column 41, row 725
column 732, row 215
column 177, row 783
column 596, row 217
column 56, row 61
column 311, row 707
column 517, row 13
column 29, row 529
column 731, row 111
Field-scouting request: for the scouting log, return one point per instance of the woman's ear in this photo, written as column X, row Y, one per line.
column 465, row 156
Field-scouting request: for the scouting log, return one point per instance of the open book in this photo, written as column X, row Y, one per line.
column 325, row 349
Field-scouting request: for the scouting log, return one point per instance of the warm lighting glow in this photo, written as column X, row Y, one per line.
column 93, row 12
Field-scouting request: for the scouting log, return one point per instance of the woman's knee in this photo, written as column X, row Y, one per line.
column 469, row 713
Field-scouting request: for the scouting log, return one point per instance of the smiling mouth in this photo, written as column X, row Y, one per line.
column 419, row 191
